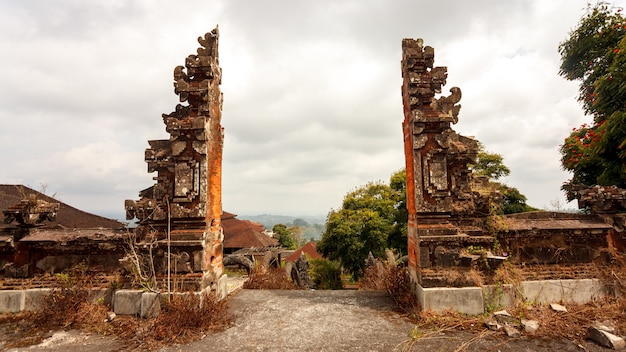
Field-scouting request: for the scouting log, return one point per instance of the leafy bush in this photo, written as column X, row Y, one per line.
column 326, row 274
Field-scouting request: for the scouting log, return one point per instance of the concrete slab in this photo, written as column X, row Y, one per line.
column 150, row 305
column 498, row 296
column 34, row 298
column 11, row 301
column 468, row 300
column 103, row 295
column 127, row 302
column 569, row 291
column 308, row 320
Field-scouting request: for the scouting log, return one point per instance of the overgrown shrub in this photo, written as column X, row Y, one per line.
column 185, row 318
column 396, row 281
column 71, row 305
column 398, row 286
column 269, row 279
column 326, row 274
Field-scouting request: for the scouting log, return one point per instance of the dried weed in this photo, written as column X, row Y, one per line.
column 395, row 281
column 269, row 279
column 71, row 305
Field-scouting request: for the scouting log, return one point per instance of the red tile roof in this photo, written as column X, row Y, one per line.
column 244, row 233
column 67, row 216
column 309, row 249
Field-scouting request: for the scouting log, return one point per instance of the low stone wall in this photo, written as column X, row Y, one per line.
column 474, row 300
column 124, row 302
column 13, row 301
column 468, row 300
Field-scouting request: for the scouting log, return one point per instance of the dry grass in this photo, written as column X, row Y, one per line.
column 572, row 326
column 186, row 318
column 70, row 305
column 269, row 279
column 395, row 281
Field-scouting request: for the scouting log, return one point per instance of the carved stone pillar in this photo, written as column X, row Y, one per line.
column 186, row 198
column 438, row 179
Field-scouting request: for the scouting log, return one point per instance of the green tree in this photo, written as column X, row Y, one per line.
column 300, row 222
column 297, row 235
column 513, row 200
column 492, row 165
column 595, row 55
column 285, row 237
column 489, row 164
column 361, row 226
column 397, row 237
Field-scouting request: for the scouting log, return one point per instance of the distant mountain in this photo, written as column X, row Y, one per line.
column 269, row 220
column 313, row 225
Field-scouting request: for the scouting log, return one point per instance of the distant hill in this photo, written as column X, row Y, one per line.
column 269, row 220
column 313, row 225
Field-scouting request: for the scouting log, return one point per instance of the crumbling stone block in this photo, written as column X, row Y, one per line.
column 31, row 212
column 34, row 298
column 102, row 295
column 11, row 301
column 511, row 331
column 150, row 305
column 127, row 302
column 606, row 339
column 530, row 326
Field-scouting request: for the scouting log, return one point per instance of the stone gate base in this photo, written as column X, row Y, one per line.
column 475, row 300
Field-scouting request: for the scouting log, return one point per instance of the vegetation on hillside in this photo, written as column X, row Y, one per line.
column 370, row 220
column 492, row 165
column 594, row 54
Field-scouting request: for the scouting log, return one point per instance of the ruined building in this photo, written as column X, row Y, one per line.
column 451, row 210
column 41, row 234
column 183, row 209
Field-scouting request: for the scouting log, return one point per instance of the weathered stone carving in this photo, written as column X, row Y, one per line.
column 31, row 212
column 437, row 157
column 187, row 194
column 439, row 182
column 600, row 199
column 450, row 209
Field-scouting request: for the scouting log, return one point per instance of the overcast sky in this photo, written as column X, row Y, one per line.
column 312, row 103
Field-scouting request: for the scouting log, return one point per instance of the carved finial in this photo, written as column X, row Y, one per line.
column 420, row 43
column 209, row 43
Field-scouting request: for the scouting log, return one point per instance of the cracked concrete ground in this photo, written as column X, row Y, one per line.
column 346, row 320
column 274, row 320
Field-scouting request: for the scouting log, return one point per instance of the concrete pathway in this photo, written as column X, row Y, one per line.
column 273, row 320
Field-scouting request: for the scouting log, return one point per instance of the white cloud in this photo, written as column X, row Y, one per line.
column 312, row 103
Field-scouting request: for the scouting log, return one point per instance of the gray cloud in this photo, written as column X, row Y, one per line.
column 312, row 93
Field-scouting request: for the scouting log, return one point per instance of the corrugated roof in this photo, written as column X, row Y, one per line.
column 67, row 216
